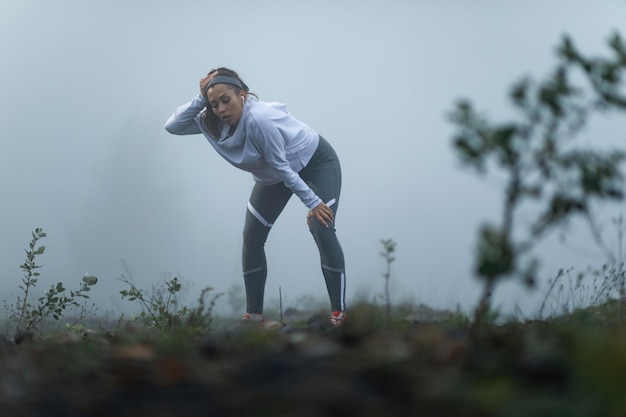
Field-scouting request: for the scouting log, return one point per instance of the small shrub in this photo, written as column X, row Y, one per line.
column 54, row 301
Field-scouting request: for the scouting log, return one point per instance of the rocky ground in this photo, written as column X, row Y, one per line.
column 408, row 369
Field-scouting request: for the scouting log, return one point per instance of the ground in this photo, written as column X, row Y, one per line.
column 406, row 368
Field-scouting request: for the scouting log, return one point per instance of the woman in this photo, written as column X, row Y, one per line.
column 285, row 157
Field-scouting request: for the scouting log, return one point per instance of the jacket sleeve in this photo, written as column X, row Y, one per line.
column 186, row 118
column 272, row 145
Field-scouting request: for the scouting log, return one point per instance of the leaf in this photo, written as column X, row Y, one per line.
column 519, row 92
column 495, row 255
column 90, row 279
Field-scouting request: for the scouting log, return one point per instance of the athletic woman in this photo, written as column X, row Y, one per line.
column 285, row 156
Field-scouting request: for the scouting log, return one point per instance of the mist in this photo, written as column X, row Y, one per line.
column 87, row 87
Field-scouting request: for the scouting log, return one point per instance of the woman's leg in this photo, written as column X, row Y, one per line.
column 323, row 175
column 265, row 204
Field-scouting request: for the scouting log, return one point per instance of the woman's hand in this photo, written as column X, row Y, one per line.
column 322, row 213
column 205, row 81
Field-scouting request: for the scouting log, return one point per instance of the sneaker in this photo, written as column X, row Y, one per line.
column 253, row 318
column 338, row 318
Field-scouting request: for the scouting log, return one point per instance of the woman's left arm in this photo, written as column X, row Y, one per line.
column 273, row 148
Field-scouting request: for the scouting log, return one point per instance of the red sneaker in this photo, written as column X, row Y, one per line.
column 337, row 318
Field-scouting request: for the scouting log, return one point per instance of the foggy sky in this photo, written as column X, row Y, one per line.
column 86, row 87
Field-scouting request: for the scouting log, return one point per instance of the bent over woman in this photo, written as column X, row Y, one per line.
column 285, row 156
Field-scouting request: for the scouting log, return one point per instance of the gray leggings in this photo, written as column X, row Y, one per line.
column 323, row 175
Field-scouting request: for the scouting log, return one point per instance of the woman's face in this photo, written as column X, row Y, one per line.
column 225, row 103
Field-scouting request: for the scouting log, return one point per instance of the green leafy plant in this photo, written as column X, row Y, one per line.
column 160, row 310
column 545, row 171
column 54, row 301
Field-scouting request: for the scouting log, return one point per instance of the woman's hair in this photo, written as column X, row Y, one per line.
column 210, row 121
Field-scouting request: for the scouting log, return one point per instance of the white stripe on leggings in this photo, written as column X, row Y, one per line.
column 342, row 285
column 343, row 292
column 258, row 216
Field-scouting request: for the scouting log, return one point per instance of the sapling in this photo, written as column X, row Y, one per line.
column 544, row 170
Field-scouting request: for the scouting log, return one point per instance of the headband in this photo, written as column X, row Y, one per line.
column 224, row 79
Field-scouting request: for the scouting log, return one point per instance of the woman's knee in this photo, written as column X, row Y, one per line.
column 254, row 235
column 319, row 231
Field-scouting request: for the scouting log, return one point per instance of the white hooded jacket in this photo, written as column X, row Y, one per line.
column 268, row 142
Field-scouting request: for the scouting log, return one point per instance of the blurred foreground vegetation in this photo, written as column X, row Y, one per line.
column 421, row 363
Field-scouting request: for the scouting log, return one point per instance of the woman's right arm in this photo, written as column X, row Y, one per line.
column 184, row 120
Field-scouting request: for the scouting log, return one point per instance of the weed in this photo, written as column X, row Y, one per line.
column 389, row 247
column 161, row 311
